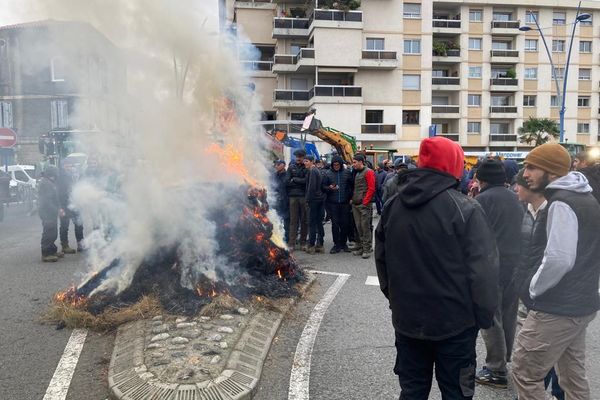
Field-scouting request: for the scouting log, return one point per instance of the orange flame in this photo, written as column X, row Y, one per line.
column 70, row 297
column 232, row 160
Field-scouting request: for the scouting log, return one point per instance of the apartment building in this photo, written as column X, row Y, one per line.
column 394, row 72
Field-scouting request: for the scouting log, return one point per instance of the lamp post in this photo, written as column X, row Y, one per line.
column 562, row 94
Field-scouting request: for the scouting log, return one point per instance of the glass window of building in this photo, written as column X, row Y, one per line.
column 529, row 17
column 558, row 46
column 474, row 127
column 6, row 116
column 411, row 82
column 583, row 127
column 529, row 101
column 531, row 73
column 502, row 16
column 475, row 15
column 375, row 43
column 412, row 46
column 475, row 43
column 559, row 18
column 588, row 21
column 374, row 116
column 499, row 128
column 412, row 10
column 474, row 72
column 583, row 101
column 585, row 74
column 554, row 101
column 559, row 73
column 585, row 46
column 410, row 117
column 474, row 100
column 531, row 45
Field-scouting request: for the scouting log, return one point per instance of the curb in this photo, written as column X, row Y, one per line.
column 129, row 379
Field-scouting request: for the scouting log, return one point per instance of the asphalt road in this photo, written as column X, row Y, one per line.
column 353, row 354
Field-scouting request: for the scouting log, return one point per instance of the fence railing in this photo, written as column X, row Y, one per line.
column 504, row 81
column 452, row 136
column 445, row 81
column 379, row 55
column 337, row 91
column 291, row 95
column 503, row 109
column 445, row 109
column 378, row 128
column 503, row 138
column 505, row 53
column 506, row 24
column 291, row 23
column 446, row 23
column 258, row 65
column 337, row 15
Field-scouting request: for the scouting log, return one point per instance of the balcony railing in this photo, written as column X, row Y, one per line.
column 379, row 55
column 445, row 81
column 378, row 128
column 506, row 24
column 452, row 136
column 285, row 126
column 336, row 91
column 503, row 109
column 258, row 65
column 291, row 23
column 505, row 53
column 448, row 109
column 292, row 95
column 336, row 15
column 449, row 53
column 446, row 23
column 504, row 82
column 293, row 59
column 503, row 137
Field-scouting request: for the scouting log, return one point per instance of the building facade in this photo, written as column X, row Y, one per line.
column 57, row 77
column 394, row 72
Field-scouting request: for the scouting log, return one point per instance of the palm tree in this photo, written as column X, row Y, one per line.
column 538, row 131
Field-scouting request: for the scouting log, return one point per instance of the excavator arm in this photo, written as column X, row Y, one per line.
column 343, row 143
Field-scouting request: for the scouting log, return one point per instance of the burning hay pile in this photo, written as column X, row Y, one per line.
column 252, row 265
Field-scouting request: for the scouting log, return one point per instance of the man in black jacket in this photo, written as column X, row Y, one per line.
column 338, row 187
column 296, row 190
column 505, row 215
column 65, row 188
column 437, row 265
column 561, row 291
column 49, row 210
column 315, row 201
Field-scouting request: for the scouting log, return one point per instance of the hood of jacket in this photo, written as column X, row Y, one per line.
column 574, row 181
column 337, row 159
column 419, row 186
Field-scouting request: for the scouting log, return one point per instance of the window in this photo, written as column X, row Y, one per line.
column 474, row 100
column 475, row 43
column 558, row 46
column 529, row 101
column 554, row 101
column 440, row 73
column 585, row 74
column 585, row 46
column 59, row 113
column 529, row 17
column 374, row 116
column 559, row 73
column 531, row 73
column 473, row 127
column 531, row 45
column 583, row 101
column 499, row 128
column 299, row 83
column 411, row 82
column 6, row 118
column 293, row 116
column 475, row 15
column 501, row 100
column 410, row 117
column 375, row 44
column 501, row 16
column 474, row 72
column 583, row 127
column 412, row 46
column 501, row 45
column 57, row 69
column 412, row 10
column 559, row 18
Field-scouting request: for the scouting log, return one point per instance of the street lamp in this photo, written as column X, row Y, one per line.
column 562, row 94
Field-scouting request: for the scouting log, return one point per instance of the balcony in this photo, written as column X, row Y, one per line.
column 379, row 59
column 445, row 111
column 504, row 84
column 503, row 137
column 259, row 4
column 446, row 25
column 282, row 125
column 505, row 56
column 304, row 61
column 257, row 65
column 506, row 27
column 291, row 98
column 290, row 28
column 503, row 112
column 445, row 83
column 336, row 19
column 450, row 56
column 452, row 136
column 338, row 94
column 378, row 129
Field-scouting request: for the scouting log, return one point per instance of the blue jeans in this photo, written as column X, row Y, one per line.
column 316, row 213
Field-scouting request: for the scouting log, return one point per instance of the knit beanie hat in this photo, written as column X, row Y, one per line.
column 551, row 157
column 359, row 157
column 442, row 154
column 492, row 172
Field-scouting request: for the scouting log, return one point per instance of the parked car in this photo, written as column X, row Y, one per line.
column 22, row 181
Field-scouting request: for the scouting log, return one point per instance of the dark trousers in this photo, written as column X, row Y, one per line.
column 552, row 380
column 298, row 211
column 453, row 359
column 49, row 235
column 64, row 228
column 340, row 222
column 316, row 213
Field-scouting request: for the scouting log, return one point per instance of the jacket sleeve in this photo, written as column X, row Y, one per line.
column 561, row 249
column 380, row 262
column 481, row 259
column 370, row 178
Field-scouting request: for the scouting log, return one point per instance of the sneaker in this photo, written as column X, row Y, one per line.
column 334, row 250
column 366, row 254
column 489, row 378
column 357, row 252
column 310, row 249
column 50, row 258
column 67, row 250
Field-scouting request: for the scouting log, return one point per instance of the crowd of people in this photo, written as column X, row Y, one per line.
column 459, row 254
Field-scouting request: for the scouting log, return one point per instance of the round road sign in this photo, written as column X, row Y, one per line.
column 8, row 138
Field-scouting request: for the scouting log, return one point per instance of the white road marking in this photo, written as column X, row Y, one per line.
column 300, row 376
column 372, row 281
column 59, row 385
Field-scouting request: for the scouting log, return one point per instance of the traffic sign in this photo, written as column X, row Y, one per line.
column 8, row 138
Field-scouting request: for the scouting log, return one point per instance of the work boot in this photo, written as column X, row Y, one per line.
column 366, row 254
column 50, row 258
column 310, row 250
column 334, row 250
column 319, row 249
column 68, row 250
column 490, row 378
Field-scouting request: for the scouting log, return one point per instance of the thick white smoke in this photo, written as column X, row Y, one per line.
column 185, row 92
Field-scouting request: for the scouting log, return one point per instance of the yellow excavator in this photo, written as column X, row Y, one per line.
column 344, row 144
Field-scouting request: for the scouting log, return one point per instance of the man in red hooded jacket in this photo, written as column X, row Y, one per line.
column 437, row 264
